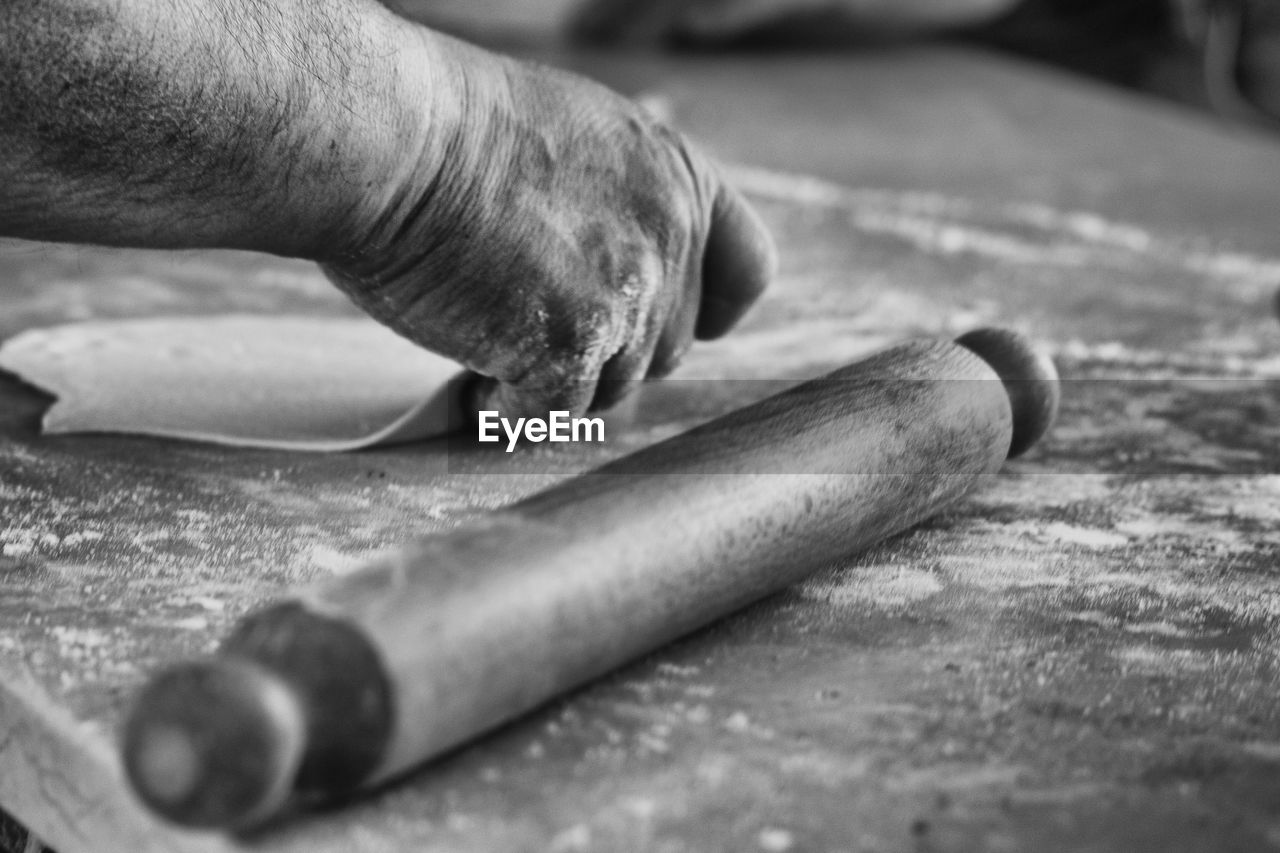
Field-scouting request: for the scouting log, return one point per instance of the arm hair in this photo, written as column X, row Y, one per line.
column 110, row 109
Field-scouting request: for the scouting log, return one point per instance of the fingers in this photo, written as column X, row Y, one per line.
column 650, row 347
column 604, row 340
column 621, row 375
column 737, row 262
column 737, row 265
column 546, row 389
column 565, row 342
column 653, row 354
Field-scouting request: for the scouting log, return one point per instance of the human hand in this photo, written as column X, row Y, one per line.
column 558, row 239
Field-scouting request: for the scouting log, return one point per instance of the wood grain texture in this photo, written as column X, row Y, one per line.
column 498, row 616
column 376, row 672
column 1080, row 655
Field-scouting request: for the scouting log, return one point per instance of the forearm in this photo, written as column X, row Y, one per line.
column 535, row 226
column 227, row 123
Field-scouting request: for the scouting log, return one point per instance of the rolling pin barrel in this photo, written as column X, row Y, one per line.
column 377, row 671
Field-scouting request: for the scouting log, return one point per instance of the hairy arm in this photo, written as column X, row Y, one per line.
column 202, row 122
column 537, row 227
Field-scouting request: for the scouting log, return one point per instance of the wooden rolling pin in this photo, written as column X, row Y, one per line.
column 379, row 670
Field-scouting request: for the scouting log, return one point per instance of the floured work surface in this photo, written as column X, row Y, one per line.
column 1081, row 656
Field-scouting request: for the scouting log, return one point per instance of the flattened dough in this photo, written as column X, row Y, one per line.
column 296, row 383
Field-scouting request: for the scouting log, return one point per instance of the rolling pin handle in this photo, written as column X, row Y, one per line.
column 216, row 743
column 1029, row 377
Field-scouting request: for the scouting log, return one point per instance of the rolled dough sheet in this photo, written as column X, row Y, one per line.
column 297, row 383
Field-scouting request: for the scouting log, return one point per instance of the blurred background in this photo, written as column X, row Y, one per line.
column 1218, row 55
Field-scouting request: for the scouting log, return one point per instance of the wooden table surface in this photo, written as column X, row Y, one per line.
column 1083, row 656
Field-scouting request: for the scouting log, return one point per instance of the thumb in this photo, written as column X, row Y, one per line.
column 738, row 263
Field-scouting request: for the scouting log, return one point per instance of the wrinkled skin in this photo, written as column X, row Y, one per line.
column 541, row 229
column 568, row 247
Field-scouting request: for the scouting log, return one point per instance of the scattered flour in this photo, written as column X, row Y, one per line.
column 1087, row 536
column 950, row 225
column 775, row 840
column 335, row 562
